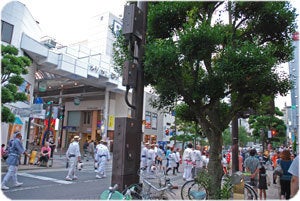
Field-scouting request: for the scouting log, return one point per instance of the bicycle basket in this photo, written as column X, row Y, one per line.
column 115, row 196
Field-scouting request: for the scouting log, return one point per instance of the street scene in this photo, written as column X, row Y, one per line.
column 180, row 100
column 48, row 183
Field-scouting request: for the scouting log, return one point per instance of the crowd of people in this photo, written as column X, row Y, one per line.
column 282, row 163
column 168, row 159
column 259, row 166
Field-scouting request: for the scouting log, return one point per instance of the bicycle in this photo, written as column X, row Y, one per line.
column 193, row 190
column 113, row 194
column 152, row 186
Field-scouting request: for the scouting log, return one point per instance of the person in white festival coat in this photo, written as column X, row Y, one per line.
column 73, row 155
column 102, row 157
column 144, row 155
column 150, row 158
column 188, row 161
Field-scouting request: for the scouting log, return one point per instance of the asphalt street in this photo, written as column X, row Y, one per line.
column 48, row 183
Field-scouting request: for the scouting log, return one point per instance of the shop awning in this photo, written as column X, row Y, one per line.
column 18, row 121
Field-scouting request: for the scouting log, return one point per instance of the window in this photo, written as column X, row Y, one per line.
column 117, row 27
column 6, row 32
column 154, row 121
column 148, row 119
column 87, row 117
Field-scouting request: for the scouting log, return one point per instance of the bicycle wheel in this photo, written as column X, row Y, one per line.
column 193, row 191
column 135, row 191
column 249, row 193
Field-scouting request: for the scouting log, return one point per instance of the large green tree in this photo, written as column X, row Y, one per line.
column 12, row 69
column 218, row 58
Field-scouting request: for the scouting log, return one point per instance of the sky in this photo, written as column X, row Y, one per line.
column 66, row 20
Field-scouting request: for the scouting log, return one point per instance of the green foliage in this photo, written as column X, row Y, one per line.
column 217, row 69
column 226, row 190
column 264, row 123
column 244, row 137
column 12, row 69
column 204, row 179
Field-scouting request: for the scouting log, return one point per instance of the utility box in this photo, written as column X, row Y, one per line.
column 127, row 152
column 129, row 74
column 132, row 21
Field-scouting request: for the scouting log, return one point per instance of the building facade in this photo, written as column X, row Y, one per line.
column 78, row 78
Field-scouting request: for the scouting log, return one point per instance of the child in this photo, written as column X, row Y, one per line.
column 263, row 182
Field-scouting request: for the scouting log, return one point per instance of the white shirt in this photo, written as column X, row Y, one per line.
column 198, row 158
column 188, row 154
column 103, row 151
column 73, row 149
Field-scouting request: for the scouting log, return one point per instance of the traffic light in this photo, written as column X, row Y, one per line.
column 167, row 131
column 273, row 132
column 61, row 112
column 49, row 109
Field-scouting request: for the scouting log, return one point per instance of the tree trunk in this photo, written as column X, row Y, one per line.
column 215, row 169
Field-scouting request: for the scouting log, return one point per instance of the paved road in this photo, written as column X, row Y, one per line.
column 55, row 175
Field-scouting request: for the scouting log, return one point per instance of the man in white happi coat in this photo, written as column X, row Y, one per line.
column 73, row 156
column 150, row 158
column 188, row 160
column 144, row 155
column 102, row 157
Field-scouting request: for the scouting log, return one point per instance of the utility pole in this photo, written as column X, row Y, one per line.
column 235, row 147
column 128, row 131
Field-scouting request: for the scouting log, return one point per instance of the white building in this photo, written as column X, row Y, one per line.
column 79, row 76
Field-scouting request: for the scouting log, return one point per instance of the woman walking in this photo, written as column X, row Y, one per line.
column 285, row 180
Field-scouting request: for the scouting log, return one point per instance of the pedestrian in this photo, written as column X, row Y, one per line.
column 188, row 160
column 198, row 160
column 45, row 154
column 91, row 150
column 73, row 156
column 241, row 159
column 252, row 166
column 15, row 150
column 172, row 161
column 85, row 149
column 102, row 156
column 144, row 153
column 159, row 156
column 224, row 164
column 51, row 145
column 179, row 159
column 263, row 182
column 275, row 159
column 294, row 170
column 168, row 151
column 285, row 179
column 150, row 158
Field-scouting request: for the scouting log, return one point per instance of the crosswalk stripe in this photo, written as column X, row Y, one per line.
column 45, row 178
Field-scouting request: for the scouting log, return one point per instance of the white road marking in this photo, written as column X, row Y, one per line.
column 45, row 178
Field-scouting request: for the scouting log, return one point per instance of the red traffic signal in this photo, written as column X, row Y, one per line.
column 273, row 132
column 167, row 131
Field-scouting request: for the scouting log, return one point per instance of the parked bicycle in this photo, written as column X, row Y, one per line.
column 193, row 190
column 154, row 185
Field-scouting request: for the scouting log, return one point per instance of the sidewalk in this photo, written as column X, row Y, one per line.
column 59, row 161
